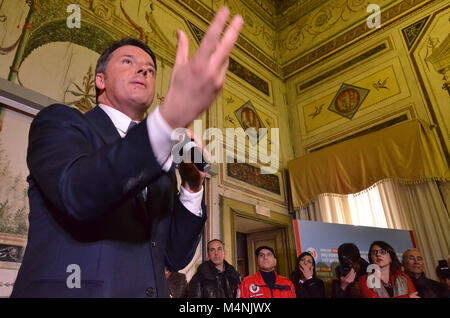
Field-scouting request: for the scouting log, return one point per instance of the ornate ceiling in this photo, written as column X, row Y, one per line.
column 286, row 36
column 288, row 11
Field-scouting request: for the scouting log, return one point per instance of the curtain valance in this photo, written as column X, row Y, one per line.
column 407, row 152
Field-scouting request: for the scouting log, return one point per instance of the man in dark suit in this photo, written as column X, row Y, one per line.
column 105, row 218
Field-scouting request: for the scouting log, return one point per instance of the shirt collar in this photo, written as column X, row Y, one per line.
column 119, row 119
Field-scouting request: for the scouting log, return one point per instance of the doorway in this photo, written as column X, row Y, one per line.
column 250, row 234
column 255, row 230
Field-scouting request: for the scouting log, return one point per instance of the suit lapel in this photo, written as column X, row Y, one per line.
column 103, row 125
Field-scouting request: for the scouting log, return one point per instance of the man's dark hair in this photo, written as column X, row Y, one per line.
column 214, row 240
column 103, row 60
column 264, row 248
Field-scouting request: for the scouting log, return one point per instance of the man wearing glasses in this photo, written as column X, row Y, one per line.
column 266, row 283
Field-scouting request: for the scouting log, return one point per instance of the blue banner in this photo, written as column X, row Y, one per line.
column 323, row 239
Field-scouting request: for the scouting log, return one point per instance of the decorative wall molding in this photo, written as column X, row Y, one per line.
column 412, row 32
column 251, row 175
column 344, row 66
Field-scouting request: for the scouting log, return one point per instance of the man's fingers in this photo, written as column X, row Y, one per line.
column 209, row 42
column 222, row 74
column 182, row 55
column 228, row 40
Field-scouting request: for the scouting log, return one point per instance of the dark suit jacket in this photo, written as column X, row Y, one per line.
column 85, row 209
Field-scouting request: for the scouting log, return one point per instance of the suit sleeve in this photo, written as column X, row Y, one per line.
column 185, row 234
column 78, row 178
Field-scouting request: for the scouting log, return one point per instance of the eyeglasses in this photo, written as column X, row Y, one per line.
column 265, row 255
column 375, row 252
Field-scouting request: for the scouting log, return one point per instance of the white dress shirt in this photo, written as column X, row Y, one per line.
column 159, row 133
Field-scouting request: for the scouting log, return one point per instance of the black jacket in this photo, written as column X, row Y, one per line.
column 208, row 283
column 427, row 288
column 177, row 285
column 312, row 288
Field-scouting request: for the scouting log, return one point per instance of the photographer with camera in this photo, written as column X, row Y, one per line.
column 413, row 264
column 443, row 272
column 351, row 267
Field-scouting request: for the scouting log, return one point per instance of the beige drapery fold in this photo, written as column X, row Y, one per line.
column 407, row 153
column 416, row 207
column 423, row 211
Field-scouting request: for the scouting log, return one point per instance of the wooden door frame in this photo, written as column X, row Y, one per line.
column 231, row 208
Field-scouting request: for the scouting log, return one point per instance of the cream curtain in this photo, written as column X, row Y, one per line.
column 421, row 209
column 388, row 204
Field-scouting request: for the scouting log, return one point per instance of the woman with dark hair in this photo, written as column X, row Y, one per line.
column 306, row 283
column 388, row 280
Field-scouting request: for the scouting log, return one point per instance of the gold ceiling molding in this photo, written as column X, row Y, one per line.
column 290, row 11
column 287, row 11
column 281, row 13
column 207, row 15
column 256, row 30
column 388, row 16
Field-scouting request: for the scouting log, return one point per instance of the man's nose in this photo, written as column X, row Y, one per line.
column 142, row 70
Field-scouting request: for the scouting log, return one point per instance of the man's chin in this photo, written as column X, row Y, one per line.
column 142, row 102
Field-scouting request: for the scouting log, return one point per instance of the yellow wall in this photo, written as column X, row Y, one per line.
column 411, row 85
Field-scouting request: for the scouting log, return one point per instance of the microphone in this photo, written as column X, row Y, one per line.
column 192, row 153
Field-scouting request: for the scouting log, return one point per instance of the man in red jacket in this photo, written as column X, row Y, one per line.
column 266, row 283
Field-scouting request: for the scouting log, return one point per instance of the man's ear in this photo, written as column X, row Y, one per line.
column 100, row 81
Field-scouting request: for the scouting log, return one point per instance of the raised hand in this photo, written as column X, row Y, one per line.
column 307, row 271
column 196, row 82
column 347, row 279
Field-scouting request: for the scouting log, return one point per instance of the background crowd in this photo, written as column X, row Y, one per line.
column 355, row 277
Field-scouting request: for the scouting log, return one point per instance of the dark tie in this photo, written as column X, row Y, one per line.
column 143, row 194
column 132, row 124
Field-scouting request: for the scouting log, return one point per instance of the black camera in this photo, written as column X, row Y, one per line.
column 346, row 265
column 350, row 258
column 442, row 270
